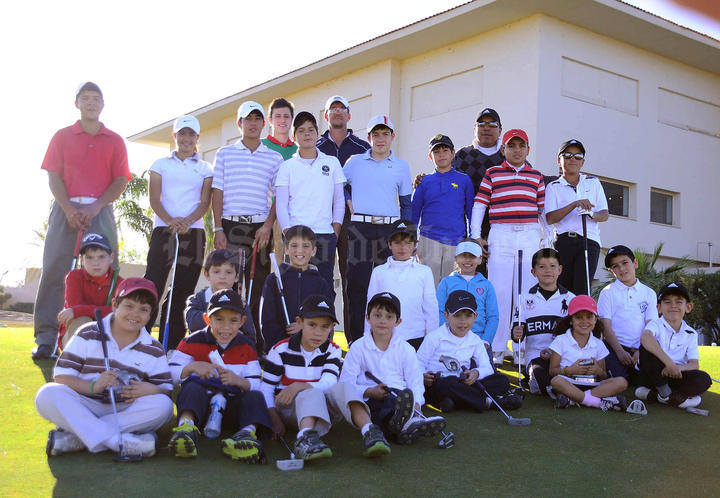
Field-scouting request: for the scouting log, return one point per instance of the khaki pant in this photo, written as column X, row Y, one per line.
column 439, row 257
column 73, row 327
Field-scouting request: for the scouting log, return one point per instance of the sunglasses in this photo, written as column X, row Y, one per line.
column 491, row 124
column 569, row 155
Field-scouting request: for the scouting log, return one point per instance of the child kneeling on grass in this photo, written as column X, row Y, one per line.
column 236, row 379
column 447, row 355
column 392, row 360
column 300, row 384
column 669, row 359
column 577, row 361
column 78, row 402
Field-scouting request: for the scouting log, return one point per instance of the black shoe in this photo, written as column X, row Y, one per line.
column 562, row 401
column 43, row 352
column 509, row 401
column 374, row 442
column 447, row 405
column 243, row 446
column 404, row 406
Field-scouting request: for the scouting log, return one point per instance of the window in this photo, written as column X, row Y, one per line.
column 661, row 207
column 618, row 198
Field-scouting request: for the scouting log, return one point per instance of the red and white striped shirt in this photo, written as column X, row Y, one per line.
column 514, row 196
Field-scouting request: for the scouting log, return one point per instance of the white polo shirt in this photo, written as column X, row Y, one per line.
column 570, row 351
column 680, row 346
column 442, row 342
column 560, row 193
column 182, row 182
column 311, row 185
column 628, row 309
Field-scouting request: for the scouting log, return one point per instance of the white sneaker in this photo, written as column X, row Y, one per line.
column 60, row 442
column 642, row 393
column 691, row 402
column 139, row 444
column 497, row 358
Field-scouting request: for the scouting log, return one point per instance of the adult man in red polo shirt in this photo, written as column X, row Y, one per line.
column 87, row 170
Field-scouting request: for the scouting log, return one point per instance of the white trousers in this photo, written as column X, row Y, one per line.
column 439, row 257
column 92, row 421
column 504, row 242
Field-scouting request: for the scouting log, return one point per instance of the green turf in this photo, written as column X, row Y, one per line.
column 564, row 452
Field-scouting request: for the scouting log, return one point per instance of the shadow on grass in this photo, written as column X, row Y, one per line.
column 46, row 366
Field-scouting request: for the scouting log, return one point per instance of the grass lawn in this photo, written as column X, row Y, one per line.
column 578, row 451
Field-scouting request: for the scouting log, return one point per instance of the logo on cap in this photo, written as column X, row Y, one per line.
column 92, row 236
column 222, row 299
column 402, row 225
column 387, row 295
column 323, row 304
column 672, row 285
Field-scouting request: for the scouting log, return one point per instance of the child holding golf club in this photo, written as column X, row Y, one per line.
column 542, row 307
column 468, row 256
column 577, row 361
column 179, row 196
column 454, row 361
column 395, row 403
column 301, row 387
column 89, row 287
column 669, row 359
column 299, row 281
column 235, row 374
column 77, row 401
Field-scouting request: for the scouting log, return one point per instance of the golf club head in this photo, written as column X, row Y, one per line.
column 518, row 421
column 447, row 442
column 637, row 407
column 698, row 411
column 127, row 458
column 293, row 464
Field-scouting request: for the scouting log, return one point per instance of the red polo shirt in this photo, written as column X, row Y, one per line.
column 87, row 163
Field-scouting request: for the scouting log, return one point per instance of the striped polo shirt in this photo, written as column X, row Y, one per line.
column 245, row 178
column 514, row 196
column 287, row 363
column 83, row 357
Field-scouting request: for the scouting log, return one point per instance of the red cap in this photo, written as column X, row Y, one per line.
column 509, row 135
column 582, row 303
column 132, row 284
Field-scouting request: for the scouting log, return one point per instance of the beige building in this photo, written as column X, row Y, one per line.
column 642, row 94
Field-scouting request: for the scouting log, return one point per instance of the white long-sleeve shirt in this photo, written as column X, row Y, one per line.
column 443, row 343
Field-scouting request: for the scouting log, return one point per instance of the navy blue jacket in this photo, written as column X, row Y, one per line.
column 349, row 147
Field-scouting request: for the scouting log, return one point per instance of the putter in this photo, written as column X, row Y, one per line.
column 637, row 407
column 698, row 411
column 448, row 439
column 251, row 331
column 166, row 329
column 585, row 246
column 252, row 273
column 291, row 464
column 519, row 317
column 121, row 456
column 276, row 271
column 78, row 241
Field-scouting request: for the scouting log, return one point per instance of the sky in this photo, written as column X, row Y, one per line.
column 156, row 60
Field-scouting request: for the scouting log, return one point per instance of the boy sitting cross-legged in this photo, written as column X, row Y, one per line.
column 301, row 386
column 392, row 360
column 237, row 380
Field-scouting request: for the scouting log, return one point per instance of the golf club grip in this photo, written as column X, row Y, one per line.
column 252, row 263
column 78, row 241
column 520, row 257
column 276, row 271
column 103, row 338
column 241, row 284
column 370, row 376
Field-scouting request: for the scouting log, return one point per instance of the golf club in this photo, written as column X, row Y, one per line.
column 249, row 327
column 76, row 254
column 291, row 464
column 698, row 411
column 715, row 380
column 166, row 329
column 447, row 441
column 276, row 271
column 121, row 456
column 519, row 317
column 584, row 216
column 252, row 273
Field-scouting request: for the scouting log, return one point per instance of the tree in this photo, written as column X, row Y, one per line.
column 129, row 210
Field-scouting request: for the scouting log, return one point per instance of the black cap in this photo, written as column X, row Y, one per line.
column 440, row 140
column 618, row 251
column 488, row 112
column 674, row 288
column 460, row 300
column 387, row 298
column 95, row 240
column 403, row 227
column 226, row 299
column 571, row 142
column 315, row 306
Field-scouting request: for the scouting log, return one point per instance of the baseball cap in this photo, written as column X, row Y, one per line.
column 380, row 120
column 187, row 122
column 225, row 299
column 488, row 112
column 582, row 303
column 403, row 227
column 568, row 143
column 247, row 107
column 470, row 247
column 87, row 85
column 337, row 98
column 673, row 289
column 387, row 298
column 460, row 300
column 515, row 133
column 440, row 140
column 618, row 251
column 133, row 284
column 95, row 240
column 315, row 306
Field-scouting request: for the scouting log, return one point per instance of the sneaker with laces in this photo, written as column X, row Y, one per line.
column 310, row 447
column 508, row 401
column 375, row 443
column 243, row 446
column 139, row 444
column 533, row 385
column 60, row 441
column 562, row 401
column 404, row 406
column 617, row 403
column 417, row 427
column 642, row 392
column 690, row 402
column 183, row 443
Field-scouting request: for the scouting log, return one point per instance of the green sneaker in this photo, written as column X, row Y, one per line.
column 375, row 443
column 311, row 447
column 244, row 446
column 183, row 443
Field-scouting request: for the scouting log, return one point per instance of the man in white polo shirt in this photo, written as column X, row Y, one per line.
column 309, row 191
column 244, row 172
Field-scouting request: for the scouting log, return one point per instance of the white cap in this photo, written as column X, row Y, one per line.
column 470, row 247
column 187, row 122
column 378, row 120
column 248, row 107
column 336, row 98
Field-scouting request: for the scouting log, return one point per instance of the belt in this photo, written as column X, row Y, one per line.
column 515, row 227
column 83, row 199
column 375, row 220
column 570, row 234
column 247, row 218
